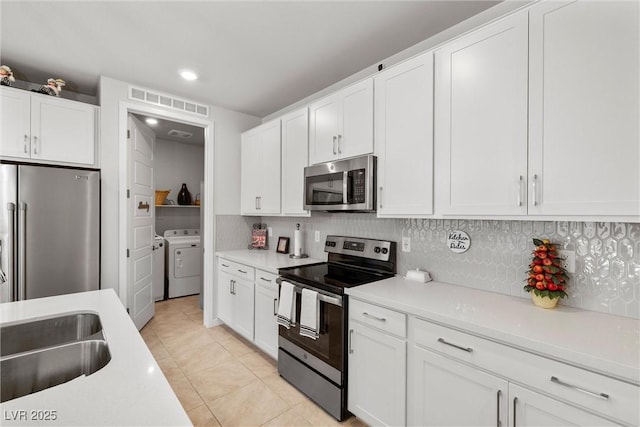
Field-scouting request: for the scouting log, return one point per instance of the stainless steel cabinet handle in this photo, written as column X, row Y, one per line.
column 266, row 280
column 380, row 197
column 242, row 271
column 520, row 191
column 256, row 202
column 339, row 144
column 498, row 422
column 534, row 184
column 467, row 349
column 35, row 145
column 350, row 335
column 26, row 143
column 580, row 389
column 370, row 316
column 275, row 306
column 260, row 202
column 225, row 265
column 334, row 144
column 22, row 245
column 515, row 402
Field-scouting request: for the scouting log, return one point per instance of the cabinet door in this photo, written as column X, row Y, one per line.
column 15, row 135
column 584, row 102
column 251, row 171
column 295, row 156
column 266, row 328
column 444, row 392
column 324, row 129
column 356, row 130
column 225, row 297
column 404, row 138
column 529, row 408
column 243, row 308
column 377, row 376
column 269, row 201
column 481, row 120
column 62, row 130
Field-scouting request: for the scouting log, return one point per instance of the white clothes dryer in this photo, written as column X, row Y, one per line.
column 183, row 262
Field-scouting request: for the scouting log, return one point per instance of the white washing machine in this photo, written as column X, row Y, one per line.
column 183, row 264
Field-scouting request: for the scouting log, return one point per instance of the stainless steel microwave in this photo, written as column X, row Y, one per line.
column 343, row 185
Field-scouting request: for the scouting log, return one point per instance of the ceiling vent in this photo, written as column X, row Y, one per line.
column 168, row 101
column 180, row 134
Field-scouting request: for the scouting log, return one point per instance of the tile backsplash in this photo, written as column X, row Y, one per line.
column 607, row 277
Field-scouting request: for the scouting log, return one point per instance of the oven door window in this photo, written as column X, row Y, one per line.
column 328, row 346
column 326, row 189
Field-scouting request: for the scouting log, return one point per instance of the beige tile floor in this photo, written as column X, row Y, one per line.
column 220, row 378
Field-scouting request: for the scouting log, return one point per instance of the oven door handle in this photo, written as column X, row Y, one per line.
column 325, row 298
column 329, row 299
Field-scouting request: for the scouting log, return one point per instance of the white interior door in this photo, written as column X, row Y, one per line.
column 141, row 224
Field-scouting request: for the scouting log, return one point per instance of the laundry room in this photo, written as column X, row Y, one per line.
column 178, row 177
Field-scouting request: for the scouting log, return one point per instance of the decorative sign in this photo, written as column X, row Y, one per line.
column 458, row 241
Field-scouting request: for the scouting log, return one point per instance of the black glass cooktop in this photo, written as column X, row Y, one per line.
column 331, row 277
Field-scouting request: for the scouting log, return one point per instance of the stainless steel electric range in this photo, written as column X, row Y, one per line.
column 318, row 367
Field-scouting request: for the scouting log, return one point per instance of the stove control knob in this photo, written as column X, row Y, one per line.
column 385, row 250
column 376, row 249
column 333, row 244
column 327, row 243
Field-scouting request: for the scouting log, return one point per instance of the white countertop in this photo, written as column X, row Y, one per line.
column 266, row 260
column 130, row 390
column 600, row 342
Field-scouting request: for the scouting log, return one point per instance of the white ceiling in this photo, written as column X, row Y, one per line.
column 255, row 57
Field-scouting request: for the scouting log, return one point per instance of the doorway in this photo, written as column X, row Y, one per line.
column 205, row 214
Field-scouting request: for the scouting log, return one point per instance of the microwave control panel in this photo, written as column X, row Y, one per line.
column 358, row 179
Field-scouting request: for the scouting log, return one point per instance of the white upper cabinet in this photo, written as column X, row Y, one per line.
column 260, row 170
column 584, row 108
column 15, row 115
column 44, row 128
column 295, row 156
column 481, row 120
column 404, row 138
column 341, row 125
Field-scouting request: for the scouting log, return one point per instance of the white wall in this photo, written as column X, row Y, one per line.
column 176, row 163
column 228, row 126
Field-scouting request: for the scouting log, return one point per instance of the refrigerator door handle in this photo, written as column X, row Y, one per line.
column 9, row 250
column 22, row 212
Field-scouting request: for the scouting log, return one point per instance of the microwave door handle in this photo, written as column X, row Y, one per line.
column 345, row 182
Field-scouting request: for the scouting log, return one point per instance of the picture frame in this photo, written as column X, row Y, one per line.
column 283, row 245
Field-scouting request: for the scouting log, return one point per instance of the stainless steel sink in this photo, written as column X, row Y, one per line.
column 31, row 335
column 44, row 353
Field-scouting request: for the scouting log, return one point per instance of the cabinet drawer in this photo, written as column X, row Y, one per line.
column 387, row 320
column 237, row 269
column 266, row 278
column 574, row 385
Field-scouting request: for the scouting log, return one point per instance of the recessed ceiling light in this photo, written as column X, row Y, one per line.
column 188, row 75
column 151, row 121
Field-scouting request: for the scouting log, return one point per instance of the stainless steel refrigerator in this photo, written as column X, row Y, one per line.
column 49, row 231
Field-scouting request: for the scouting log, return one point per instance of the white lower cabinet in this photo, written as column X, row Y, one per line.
column 248, row 303
column 236, row 296
column 528, row 408
column 266, row 309
column 243, row 302
column 443, row 392
column 377, row 367
column 405, row 370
